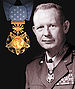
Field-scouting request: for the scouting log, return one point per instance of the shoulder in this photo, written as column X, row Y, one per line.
column 72, row 48
column 36, row 62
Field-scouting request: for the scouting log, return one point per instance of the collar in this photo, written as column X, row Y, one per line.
column 57, row 58
column 47, row 57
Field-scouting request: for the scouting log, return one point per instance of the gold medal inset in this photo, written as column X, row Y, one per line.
column 18, row 40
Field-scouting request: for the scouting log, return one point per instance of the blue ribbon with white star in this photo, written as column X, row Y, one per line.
column 18, row 13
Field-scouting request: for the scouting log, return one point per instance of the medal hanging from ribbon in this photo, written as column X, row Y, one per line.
column 18, row 40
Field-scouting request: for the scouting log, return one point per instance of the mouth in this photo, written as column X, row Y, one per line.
column 48, row 41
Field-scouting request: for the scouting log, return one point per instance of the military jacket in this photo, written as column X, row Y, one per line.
column 37, row 71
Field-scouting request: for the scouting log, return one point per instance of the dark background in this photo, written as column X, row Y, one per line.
column 12, row 66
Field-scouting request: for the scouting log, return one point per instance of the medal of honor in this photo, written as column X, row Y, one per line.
column 18, row 40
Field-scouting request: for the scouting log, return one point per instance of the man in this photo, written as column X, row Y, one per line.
column 55, row 69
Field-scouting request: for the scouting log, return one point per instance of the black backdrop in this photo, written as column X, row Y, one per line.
column 13, row 66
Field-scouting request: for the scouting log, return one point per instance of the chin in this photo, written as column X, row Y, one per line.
column 49, row 46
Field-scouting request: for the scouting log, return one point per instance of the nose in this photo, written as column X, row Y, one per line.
column 46, row 31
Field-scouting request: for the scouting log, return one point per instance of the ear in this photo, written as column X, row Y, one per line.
column 33, row 28
column 66, row 26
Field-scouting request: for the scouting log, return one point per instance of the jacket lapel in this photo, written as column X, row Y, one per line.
column 59, row 72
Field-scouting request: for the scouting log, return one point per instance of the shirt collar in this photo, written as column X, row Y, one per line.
column 48, row 57
column 57, row 58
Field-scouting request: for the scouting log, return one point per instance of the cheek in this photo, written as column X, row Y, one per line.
column 57, row 35
column 38, row 36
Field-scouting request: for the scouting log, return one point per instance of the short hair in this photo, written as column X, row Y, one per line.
column 52, row 5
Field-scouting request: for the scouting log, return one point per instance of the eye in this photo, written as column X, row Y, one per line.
column 52, row 26
column 40, row 28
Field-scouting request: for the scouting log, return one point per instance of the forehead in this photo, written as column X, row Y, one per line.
column 47, row 14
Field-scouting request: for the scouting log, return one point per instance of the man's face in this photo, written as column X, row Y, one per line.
column 48, row 28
